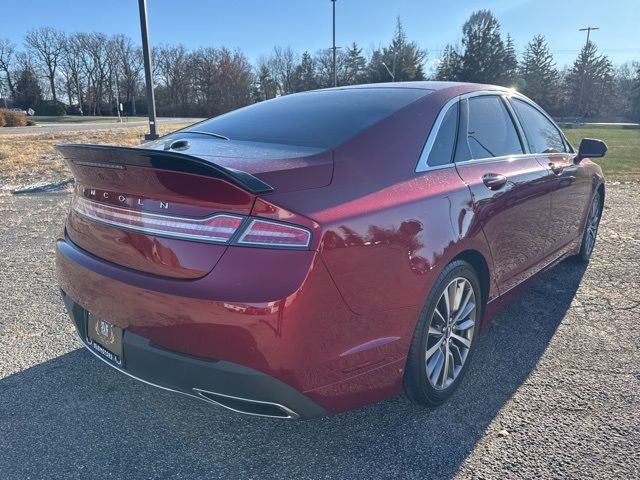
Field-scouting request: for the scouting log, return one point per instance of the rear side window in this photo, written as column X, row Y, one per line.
column 490, row 130
column 542, row 135
column 323, row 118
column 442, row 148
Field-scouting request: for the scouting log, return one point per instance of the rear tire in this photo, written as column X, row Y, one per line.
column 590, row 230
column 445, row 336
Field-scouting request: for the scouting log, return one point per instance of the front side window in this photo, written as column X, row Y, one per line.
column 542, row 135
column 490, row 130
column 442, row 148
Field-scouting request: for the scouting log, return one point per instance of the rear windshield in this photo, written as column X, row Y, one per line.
column 312, row 119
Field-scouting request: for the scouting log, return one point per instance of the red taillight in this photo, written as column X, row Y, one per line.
column 266, row 233
column 219, row 228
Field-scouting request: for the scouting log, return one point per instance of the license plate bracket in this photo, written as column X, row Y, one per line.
column 104, row 338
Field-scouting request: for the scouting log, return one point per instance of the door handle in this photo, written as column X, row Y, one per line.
column 494, row 181
column 556, row 168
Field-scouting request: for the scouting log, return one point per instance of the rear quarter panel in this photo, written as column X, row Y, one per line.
column 387, row 231
column 383, row 250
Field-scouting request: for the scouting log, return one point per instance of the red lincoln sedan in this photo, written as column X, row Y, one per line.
column 320, row 251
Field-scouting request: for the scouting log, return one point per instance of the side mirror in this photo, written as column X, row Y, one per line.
column 591, row 148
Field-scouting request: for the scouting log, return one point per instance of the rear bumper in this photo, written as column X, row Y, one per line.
column 271, row 314
column 223, row 383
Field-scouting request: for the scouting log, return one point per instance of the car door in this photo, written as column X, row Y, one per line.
column 571, row 186
column 510, row 197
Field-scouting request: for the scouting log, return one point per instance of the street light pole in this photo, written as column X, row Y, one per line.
column 391, row 74
column 146, row 54
column 335, row 72
column 579, row 114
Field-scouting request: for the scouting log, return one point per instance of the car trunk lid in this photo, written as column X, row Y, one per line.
column 118, row 189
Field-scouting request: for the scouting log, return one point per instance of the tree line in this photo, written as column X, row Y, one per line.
column 92, row 74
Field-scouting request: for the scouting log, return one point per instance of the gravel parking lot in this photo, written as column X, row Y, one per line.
column 553, row 391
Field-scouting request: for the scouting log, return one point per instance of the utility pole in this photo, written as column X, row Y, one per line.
column 579, row 115
column 146, row 54
column 335, row 71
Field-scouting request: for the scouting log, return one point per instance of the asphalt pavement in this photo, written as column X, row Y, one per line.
column 553, row 390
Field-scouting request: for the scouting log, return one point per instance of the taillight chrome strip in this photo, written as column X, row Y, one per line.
column 218, row 228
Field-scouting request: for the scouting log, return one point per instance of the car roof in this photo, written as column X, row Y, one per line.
column 425, row 85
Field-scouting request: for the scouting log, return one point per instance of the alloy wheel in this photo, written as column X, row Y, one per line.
column 450, row 335
column 592, row 226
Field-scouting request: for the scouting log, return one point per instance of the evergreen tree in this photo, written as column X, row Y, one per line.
column 376, row 71
column 484, row 56
column 509, row 63
column 266, row 87
column 354, row 66
column 449, row 66
column 27, row 91
column 588, row 83
column 400, row 61
column 304, row 76
column 538, row 77
column 409, row 57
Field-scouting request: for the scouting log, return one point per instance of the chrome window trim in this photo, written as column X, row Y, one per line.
column 431, row 139
column 422, row 165
column 539, row 109
column 524, row 143
column 517, row 156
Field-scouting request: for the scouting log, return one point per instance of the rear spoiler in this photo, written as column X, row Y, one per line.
column 107, row 156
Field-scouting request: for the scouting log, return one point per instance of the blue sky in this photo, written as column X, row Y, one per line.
column 255, row 26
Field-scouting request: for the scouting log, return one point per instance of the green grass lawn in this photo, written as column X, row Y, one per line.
column 79, row 119
column 622, row 162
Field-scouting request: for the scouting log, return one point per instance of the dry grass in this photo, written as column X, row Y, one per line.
column 9, row 118
column 30, row 158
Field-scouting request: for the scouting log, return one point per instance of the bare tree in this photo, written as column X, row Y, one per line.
column 174, row 65
column 323, row 60
column 72, row 69
column 131, row 65
column 621, row 97
column 95, row 65
column 222, row 80
column 48, row 46
column 7, row 51
column 283, row 63
column 112, row 60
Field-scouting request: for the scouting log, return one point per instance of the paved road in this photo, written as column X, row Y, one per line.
column 558, row 370
column 68, row 127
